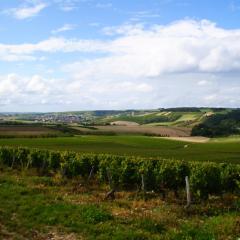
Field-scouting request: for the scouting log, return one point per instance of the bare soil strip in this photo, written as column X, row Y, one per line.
column 189, row 139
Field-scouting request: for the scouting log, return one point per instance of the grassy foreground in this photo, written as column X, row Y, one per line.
column 34, row 207
column 219, row 151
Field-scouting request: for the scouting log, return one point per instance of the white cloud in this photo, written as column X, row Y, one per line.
column 211, row 97
column 141, row 15
column 67, row 5
column 64, row 28
column 26, row 11
column 104, row 5
column 203, row 82
column 183, row 46
column 38, row 90
column 8, row 85
column 26, row 51
column 41, row 93
column 37, row 85
column 186, row 63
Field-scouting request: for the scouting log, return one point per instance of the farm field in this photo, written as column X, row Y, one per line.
column 162, row 118
column 25, row 130
column 131, row 129
column 48, row 195
column 186, row 119
column 219, row 151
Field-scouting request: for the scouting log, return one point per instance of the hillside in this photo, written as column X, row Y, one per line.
column 181, row 117
column 218, row 125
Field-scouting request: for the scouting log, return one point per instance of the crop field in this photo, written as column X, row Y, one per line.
column 25, row 130
column 162, row 118
column 151, row 130
column 219, row 151
column 43, row 199
column 185, row 120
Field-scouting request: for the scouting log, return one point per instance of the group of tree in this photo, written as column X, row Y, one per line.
column 220, row 124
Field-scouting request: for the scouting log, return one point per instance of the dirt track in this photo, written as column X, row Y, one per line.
column 190, row 139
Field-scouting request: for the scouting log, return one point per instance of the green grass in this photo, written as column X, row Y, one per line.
column 185, row 120
column 33, row 207
column 221, row 151
column 189, row 117
column 234, row 138
column 25, row 207
column 146, row 118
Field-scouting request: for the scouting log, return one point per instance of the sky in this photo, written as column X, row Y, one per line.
column 72, row 55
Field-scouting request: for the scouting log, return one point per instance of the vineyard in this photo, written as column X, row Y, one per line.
column 123, row 173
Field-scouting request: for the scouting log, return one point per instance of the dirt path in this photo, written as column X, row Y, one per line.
column 190, row 139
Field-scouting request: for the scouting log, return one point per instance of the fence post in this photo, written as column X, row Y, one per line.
column 143, row 187
column 188, row 192
column 13, row 160
column 111, row 193
column 90, row 174
column 143, row 183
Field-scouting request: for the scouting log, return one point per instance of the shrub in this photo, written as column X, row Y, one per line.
column 230, row 177
column 171, row 174
column 205, row 179
column 94, row 214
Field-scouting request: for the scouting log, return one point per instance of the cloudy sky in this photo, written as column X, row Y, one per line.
column 59, row 55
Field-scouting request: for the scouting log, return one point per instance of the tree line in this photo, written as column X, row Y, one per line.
column 219, row 125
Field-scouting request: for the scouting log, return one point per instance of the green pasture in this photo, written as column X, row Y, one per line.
column 182, row 120
column 215, row 150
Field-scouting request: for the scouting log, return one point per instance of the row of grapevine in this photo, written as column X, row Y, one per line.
column 127, row 172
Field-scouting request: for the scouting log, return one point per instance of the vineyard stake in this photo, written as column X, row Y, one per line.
column 188, row 192
column 111, row 193
column 143, row 187
column 90, row 174
column 13, row 161
column 143, row 183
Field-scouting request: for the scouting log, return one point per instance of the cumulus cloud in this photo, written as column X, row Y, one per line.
column 26, row 51
column 183, row 46
column 64, row 28
column 39, row 90
column 26, row 11
column 17, row 84
column 185, row 63
column 75, row 93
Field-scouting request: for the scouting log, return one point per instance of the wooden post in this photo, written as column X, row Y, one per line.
column 143, row 187
column 90, row 174
column 188, row 192
column 111, row 193
column 109, row 178
column 13, row 161
column 143, row 183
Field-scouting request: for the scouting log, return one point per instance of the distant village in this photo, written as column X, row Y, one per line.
column 49, row 117
column 58, row 118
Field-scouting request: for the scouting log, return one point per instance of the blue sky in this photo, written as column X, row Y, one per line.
column 60, row 55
